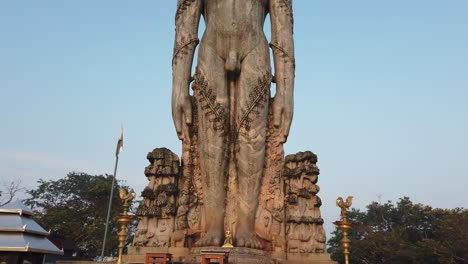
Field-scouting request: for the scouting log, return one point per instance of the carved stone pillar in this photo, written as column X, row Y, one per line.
column 304, row 224
column 158, row 209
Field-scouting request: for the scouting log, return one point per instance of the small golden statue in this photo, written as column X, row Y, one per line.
column 228, row 240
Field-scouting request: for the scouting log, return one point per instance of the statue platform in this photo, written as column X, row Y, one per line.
column 236, row 255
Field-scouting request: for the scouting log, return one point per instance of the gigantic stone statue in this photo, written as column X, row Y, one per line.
column 233, row 180
column 231, row 94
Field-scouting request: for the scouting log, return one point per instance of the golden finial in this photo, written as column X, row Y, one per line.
column 344, row 225
column 124, row 219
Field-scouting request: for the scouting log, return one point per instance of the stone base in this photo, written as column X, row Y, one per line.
column 237, row 255
column 307, row 258
column 80, row 262
column 137, row 254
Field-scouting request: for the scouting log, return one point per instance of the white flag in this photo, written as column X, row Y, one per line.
column 119, row 143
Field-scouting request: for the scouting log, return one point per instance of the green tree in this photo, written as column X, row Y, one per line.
column 452, row 243
column 75, row 207
column 404, row 233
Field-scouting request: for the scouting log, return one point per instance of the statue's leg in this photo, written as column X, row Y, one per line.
column 213, row 112
column 253, row 94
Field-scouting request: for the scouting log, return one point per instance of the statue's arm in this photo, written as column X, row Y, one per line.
column 282, row 44
column 186, row 39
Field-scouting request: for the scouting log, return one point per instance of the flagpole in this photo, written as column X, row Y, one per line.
column 119, row 148
column 109, row 208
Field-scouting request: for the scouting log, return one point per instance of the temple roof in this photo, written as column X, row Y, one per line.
column 20, row 233
column 23, row 242
column 16, row 207
column 18, row 223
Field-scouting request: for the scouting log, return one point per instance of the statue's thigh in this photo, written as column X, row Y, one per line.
column 253, row 95
column 210, row 92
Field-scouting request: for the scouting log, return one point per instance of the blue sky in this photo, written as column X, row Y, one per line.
column 381, row 94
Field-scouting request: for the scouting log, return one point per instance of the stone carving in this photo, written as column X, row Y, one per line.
column 228, row 148
column 158, row 209
column 304, row 224
column 269, row 225
column 189, row 218
column 288, row 217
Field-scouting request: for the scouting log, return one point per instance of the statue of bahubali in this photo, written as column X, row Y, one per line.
column 233, row 183
column 231, row 106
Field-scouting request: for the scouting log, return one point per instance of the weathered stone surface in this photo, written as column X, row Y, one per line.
column 269, row 224
column 224, row 125
column 158, row 209
column 304, row 224
column 163, row 163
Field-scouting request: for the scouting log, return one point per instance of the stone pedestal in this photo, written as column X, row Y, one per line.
column 234, row 255
column 307, row 258
column 137, row 254
column 158, row 258
column 237, row 255
column 218, row 256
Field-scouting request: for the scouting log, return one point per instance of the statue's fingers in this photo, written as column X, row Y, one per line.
column 277, row 116
column 287, row 119
column 178, row 124
column 188, row 115
column 285, row 125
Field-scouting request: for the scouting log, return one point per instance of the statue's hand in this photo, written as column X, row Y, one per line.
column 283, row 112
column 181, row 112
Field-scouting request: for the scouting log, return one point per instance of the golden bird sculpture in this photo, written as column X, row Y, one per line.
column 344, row 206
column 126, row 197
